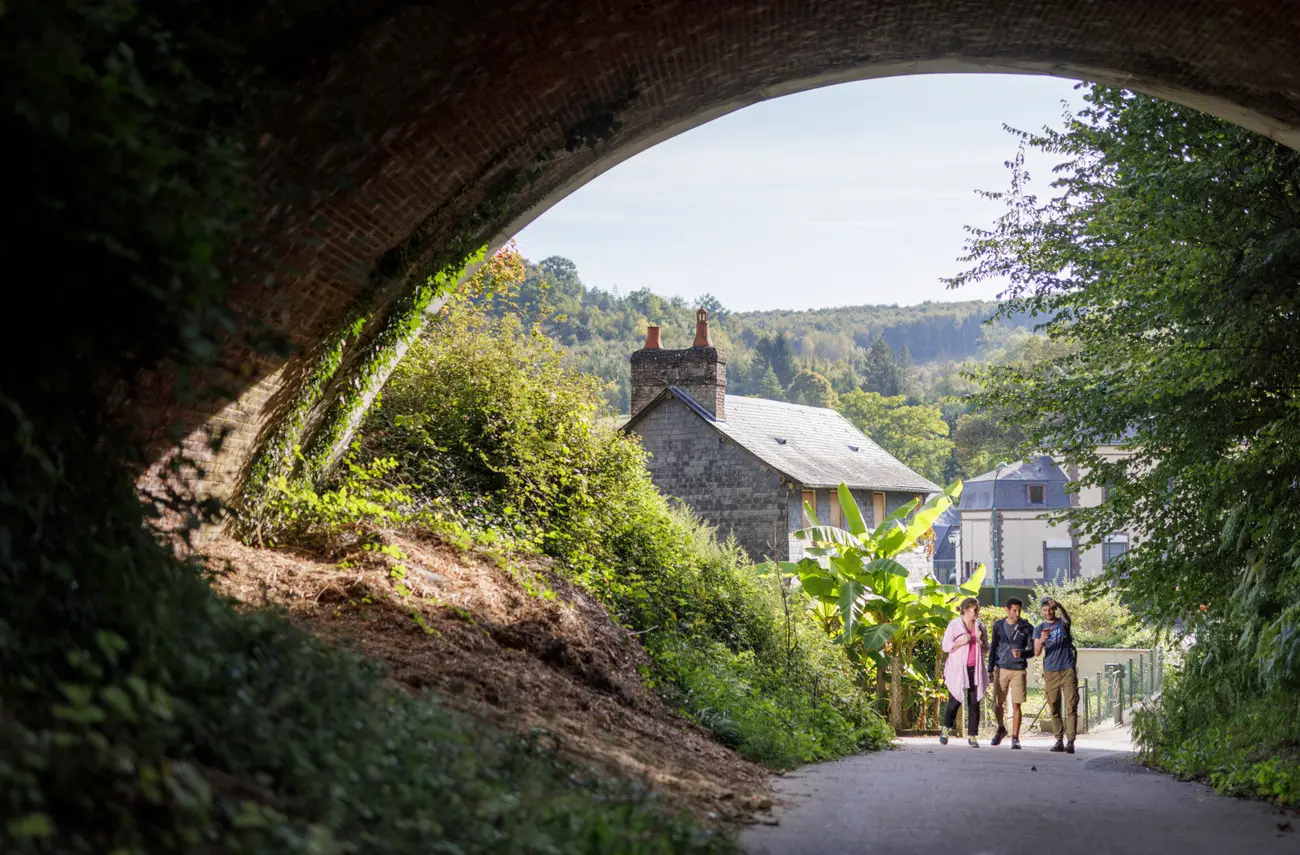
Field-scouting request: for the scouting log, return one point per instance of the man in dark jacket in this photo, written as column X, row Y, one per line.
column 1010, row 649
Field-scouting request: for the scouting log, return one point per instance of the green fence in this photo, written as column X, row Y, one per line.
column 1106, row 695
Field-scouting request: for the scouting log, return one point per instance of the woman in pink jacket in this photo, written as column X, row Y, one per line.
column 966, row 641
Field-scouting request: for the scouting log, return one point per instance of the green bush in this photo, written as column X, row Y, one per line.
column 1217, row 721
column 1100, row 617
column 493, row 432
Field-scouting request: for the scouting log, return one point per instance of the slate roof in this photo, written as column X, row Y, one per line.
column 977, row 493
column 812, row 446
column 945, row 522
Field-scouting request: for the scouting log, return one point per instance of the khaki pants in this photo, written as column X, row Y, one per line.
column 1063, row 686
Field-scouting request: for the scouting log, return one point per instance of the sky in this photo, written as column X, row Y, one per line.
column 850, row 194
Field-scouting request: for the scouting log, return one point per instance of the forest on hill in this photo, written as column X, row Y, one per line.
column 896, row 371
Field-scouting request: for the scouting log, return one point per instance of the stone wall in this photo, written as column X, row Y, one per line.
column 701, row 372
column 720, row 481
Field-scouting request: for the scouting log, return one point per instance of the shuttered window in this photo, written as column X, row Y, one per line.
column 837, row 516
column 1112, row 550
column 877, row 508
column 1058, row 564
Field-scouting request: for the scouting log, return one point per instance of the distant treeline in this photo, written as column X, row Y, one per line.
column 915, row 351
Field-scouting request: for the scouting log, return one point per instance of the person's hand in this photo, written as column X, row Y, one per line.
column 1015, row 654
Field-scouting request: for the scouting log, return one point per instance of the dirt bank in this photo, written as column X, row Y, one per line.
column 514, row 644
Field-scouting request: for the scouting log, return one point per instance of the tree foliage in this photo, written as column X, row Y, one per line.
column 913, row 350
column 1163, row 265
column 811, row 389
column 915, row 434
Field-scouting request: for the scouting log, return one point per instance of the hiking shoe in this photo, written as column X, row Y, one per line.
column 973, row 742
column 1015, row 743
column 1069, row 747
column 943, row 736
column 1059, row 747
column 998, row 737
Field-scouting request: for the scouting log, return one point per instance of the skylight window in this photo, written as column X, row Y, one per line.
column 780, row 440
column 853, row 448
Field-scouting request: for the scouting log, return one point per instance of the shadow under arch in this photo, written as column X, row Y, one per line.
column 405, row 128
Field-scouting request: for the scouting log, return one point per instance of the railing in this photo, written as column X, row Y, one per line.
column 945, row 570
column 1121, row 685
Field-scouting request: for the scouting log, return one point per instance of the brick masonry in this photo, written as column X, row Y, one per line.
column 395, row 122
column 701, row 372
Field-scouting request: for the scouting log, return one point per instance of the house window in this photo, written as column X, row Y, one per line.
column 1112, row 549
column 837, row 516
column 809, row 501
column 877, row 508
column 1057, row 566
column 1037, row 494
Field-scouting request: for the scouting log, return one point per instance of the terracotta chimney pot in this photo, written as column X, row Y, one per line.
column 702, row 329
column 652, row 337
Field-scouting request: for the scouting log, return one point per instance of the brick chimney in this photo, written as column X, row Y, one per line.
column 700, row 371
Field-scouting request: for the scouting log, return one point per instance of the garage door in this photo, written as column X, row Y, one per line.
column 1058, row 564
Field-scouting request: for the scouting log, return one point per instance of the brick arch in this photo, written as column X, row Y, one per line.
column 404, row 127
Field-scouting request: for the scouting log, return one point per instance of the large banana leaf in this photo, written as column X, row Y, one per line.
column 876, row 636
column 821, row 587
column 972, row 585
column 850, row 606
column 849, row 508
column 828, row 534
column 887, row 565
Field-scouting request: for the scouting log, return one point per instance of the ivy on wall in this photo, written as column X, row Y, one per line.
column 404, row 323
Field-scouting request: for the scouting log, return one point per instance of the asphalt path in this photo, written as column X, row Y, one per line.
column 927, row 798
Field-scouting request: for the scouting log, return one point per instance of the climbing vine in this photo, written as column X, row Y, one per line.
column 405, row 321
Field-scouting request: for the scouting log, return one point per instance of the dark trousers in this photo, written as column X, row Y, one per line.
column 972, row 708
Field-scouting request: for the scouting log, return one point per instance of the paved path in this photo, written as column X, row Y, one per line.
column 1096, row 802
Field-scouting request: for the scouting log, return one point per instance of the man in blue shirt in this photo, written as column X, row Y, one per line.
column 1055, row 643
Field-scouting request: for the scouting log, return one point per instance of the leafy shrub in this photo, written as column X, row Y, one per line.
column 1099, row 615
column 491, row 431
column 359, row 498
column 1217, row 720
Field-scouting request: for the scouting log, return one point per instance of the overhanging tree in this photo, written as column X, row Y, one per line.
column 1166, row 258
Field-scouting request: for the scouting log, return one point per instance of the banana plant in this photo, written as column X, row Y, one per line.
column 859, row 589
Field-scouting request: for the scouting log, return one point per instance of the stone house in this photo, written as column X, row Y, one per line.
column 747, row 465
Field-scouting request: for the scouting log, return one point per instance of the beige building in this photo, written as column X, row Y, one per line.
column 1006, row 525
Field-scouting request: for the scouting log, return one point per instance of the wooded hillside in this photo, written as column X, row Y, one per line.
column 914, row 351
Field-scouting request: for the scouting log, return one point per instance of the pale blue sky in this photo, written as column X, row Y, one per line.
column 845, row 195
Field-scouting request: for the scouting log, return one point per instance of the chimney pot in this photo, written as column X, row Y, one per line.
column 702, row 329
column 652, row 337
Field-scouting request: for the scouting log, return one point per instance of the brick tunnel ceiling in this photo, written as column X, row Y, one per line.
column 405, row 121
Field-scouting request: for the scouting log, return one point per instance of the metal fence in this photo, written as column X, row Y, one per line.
column 945, row 570
column 1104, row 696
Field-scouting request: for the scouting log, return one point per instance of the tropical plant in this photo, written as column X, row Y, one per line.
column 860, row 595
